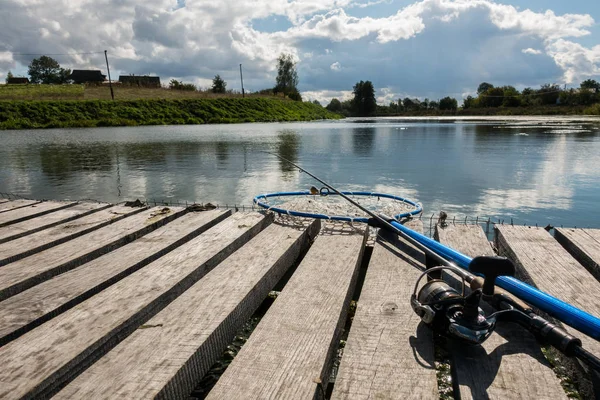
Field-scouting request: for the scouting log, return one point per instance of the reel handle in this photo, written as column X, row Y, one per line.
column 491, row 268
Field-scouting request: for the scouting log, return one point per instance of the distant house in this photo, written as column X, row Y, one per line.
column 87, row 76
column 18, row 81
column 140, row 80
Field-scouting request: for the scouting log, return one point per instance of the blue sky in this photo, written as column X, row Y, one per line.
column 419, row 48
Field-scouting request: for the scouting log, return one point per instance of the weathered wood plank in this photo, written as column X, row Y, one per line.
column 32, row 211
column 3, row 200
column 389, row 354
column 510, row 364
column 584, row 245
column 17, row 230
column 291, row 349
column 42, row 240
column 16, row 204
column 543, row 262
column 43, row 360
column 25, row 273
column 21, row 313
column 191, row 333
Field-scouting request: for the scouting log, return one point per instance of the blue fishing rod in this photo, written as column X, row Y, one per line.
column 493, row 269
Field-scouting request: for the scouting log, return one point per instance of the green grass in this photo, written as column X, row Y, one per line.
column 38, row 92
column 61, row 114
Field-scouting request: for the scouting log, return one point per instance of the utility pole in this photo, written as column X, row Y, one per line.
column 112, row 94
column 242, row 79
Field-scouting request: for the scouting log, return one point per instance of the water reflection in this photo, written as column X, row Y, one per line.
column 524, row 170
column 288, row 144
column 362, row 141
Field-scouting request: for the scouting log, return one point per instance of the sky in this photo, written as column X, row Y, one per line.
column 425, row 49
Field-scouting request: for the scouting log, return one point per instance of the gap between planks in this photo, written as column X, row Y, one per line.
column 28, row 272
column 180, row 344
column 23, row 312
column 510, row 363
column 42, row 361
column 289, row 354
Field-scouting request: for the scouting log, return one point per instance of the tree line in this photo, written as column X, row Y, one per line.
column 363, row 102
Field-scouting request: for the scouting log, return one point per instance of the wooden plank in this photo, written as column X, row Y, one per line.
column 23, row 312
column 16, row 204
column 37, row 224
column 43, row 360
column 510, row 363
column 26, row 273
column 543, row 262
column 191, row 333
column 32, row 211
column 389, row 354
column 3, row 201
column 42, row 240
column 584, row 245
column 291, row 349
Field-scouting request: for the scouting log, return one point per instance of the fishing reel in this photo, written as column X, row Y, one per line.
column 452, row 313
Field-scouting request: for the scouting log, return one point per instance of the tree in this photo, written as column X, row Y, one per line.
column 47, row 70
column 511, row 97
column 9, row 76
column 590, row 84
column 174, row 84
column 448, row 103
column 219, row 85
column 409, row 105
column 484, row 87
column 549, row 93
column 316, row 102
column 468, row 102
column 287, row 76
column 334, row 105
column 492, row 97
column 364, row 103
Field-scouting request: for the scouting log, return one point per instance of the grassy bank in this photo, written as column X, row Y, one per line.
column 59, row 114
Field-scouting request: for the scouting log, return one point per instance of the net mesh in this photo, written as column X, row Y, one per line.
column 333, row 205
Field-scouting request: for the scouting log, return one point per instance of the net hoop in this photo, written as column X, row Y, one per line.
column 257, row 200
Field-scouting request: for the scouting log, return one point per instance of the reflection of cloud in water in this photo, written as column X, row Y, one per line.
column 551, row 187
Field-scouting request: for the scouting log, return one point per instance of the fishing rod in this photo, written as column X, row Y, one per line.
column 495, row 270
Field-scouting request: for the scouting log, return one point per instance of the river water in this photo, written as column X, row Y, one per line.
column 533, row 170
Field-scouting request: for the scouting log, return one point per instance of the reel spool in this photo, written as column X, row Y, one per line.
column 450, row 313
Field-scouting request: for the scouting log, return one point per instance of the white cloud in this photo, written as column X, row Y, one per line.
column 431, row 46
column 577, row 61
column 531, row 51
column 336, row 66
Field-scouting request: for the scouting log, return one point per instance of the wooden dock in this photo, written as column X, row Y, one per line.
column 108, row 301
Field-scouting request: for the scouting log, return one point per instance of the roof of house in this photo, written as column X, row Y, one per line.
column 87, row 75
column 17, row 80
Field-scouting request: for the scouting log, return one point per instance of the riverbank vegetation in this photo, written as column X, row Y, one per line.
column 490, row 100
column 59, row 114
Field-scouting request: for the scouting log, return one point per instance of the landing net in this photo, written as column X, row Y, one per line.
column 328, row 205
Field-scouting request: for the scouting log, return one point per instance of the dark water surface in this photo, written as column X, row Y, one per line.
column 544, row 170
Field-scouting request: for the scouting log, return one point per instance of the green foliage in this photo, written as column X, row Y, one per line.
column 511, row 97
column 484, row 87
column 9, row 76
column 56, row 114
column 448, row 103
column 593, row 110
column 549, row 93
column 295, row 95
column 334, row 106
column 364, row 103
column 317, row 103
column 174, row 84
column 468, row 102
column 590, row 84
column 287, row 76
column 47, row 70
column 493, row 97
column 219, row 85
